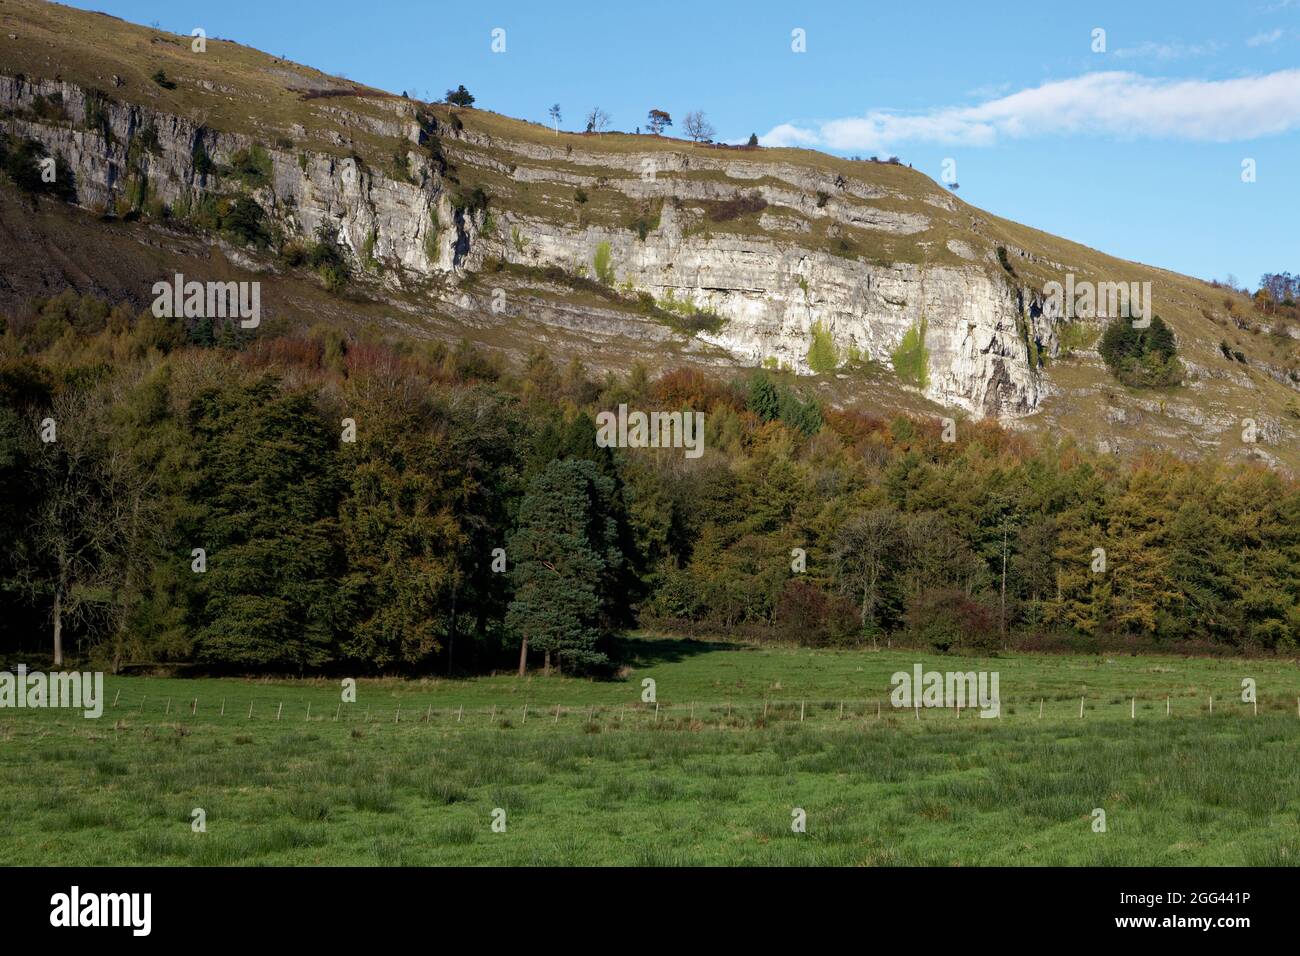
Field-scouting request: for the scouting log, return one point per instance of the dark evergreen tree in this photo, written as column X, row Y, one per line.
column 565, row 558
column 460, row 96
column 763, row 401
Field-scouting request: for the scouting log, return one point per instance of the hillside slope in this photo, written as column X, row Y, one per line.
column 619, row 248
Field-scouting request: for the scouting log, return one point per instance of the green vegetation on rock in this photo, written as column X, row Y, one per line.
column 251, row 166
column 1141, row 357
column 602, row 264
column 823, row 356
column 912, row 359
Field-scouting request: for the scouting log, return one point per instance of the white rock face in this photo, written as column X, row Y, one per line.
column 772, row 294
column 770, row 290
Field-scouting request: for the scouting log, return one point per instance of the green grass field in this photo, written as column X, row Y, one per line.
column 412, row 772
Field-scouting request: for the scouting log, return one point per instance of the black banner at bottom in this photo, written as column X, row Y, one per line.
column 334, row 905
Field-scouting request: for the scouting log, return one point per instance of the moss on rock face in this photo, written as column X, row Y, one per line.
column 912, row 359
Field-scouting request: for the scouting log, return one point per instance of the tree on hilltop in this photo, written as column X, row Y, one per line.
column 658, row 121
column 460, row 96
column 698, row 128
column 597, row 120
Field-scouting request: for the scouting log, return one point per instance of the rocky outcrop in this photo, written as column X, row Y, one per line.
column 770, row 288
column 303, row 191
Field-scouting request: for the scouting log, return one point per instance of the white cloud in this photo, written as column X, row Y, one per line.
column 1263, row 39
column 1172, row 50
column 789, row 135
column 1116, row 104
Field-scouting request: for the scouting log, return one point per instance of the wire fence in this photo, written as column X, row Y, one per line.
column 729, row 713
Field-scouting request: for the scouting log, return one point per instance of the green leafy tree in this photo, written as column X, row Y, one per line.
column 266, row 475
column 152, row 455
column 427, row 485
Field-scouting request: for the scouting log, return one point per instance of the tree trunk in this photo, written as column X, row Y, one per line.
column 451, row 635
column 1002, row 605
column 58, row 627
column 523, row 657
column 546, row 665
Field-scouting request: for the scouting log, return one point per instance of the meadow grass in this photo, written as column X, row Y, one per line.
column 411, row 773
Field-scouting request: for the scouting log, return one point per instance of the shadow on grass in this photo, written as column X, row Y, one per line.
column 648, row 651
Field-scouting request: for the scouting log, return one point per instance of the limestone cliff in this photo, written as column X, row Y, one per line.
column 768, row 287
column 619, row 248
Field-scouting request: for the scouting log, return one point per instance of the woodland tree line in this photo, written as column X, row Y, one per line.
column 200, row 504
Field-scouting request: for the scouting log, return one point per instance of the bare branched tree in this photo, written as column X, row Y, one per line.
column 698, row 128
column 79, row 525
column 864, row 547
column 597, row 120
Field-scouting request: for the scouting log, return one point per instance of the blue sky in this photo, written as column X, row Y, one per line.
column 1137, row 151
